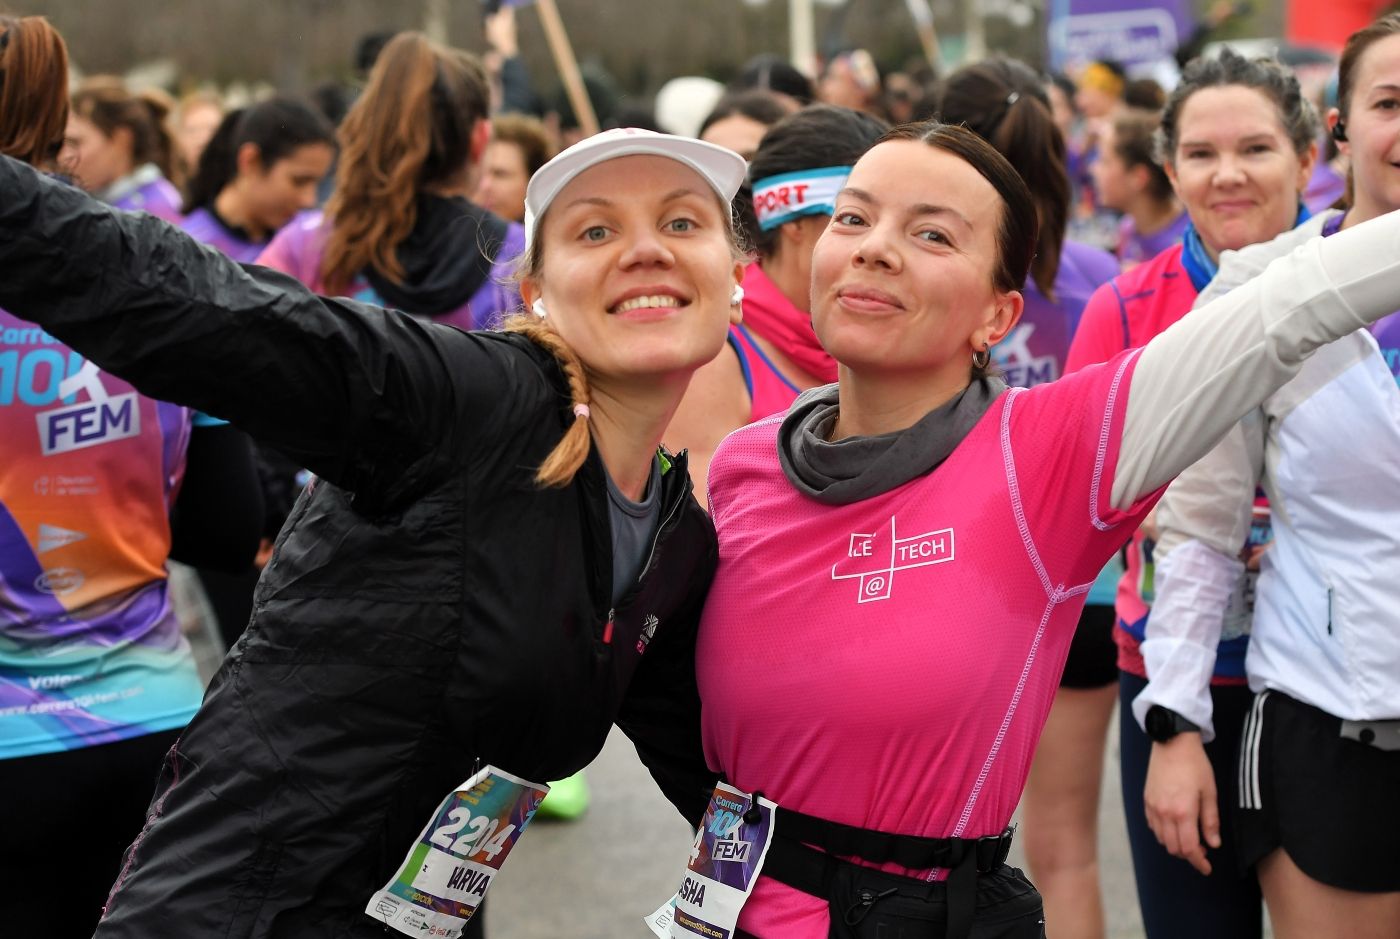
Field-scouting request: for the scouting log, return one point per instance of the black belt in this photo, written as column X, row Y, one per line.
column 793, row 860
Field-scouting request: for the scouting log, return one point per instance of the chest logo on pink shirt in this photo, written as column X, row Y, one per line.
column 873, row 559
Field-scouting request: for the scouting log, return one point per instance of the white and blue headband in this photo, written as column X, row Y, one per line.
column 782, row 198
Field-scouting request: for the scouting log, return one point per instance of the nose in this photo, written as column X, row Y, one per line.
column 876, row 249
column 1229, row 170
column 645, row 248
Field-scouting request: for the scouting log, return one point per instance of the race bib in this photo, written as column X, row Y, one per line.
column 724, row 864
column 459, row 852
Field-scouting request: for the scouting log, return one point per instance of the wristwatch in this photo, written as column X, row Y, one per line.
column 1162, row 724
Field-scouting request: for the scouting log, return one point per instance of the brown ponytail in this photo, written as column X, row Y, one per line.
column 33, row 89
column 409, row 131
column 105, row 101
column 567, row 457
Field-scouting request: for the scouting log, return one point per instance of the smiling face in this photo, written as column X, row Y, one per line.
column 1373, row 129
column 1235, row 169
column 637, row 269
column 902, row 279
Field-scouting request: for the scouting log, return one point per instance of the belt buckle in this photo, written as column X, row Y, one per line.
column 995, row 848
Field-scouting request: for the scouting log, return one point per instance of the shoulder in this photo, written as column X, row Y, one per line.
column 1088, row 263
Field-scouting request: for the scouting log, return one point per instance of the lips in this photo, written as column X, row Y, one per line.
column 867, row 299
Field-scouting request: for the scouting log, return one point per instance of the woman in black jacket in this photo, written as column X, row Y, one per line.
column 493, row 541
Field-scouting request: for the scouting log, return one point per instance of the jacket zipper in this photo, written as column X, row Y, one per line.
column 646, row 567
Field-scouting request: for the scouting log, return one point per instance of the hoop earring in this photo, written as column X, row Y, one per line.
column 983, row 359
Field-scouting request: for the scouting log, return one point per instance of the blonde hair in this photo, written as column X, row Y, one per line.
column 565, row 460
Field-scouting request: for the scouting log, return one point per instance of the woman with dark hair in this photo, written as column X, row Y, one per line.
column 1005, row 103
column 1128, row 179
column 1314, row 813
column 261, row 168
column 495, row 564
column 904, row 556
column 740, row 119
column 773, row 354
column 99, row 485
column 400, row 229
column 118, row 147
column 1237, row 139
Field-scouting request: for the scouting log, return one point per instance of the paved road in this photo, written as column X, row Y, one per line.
column 598, row 876
column 595, row 878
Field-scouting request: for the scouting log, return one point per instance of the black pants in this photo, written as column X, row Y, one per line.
column 1176, row 900
column 1007, row 907
column 66, row 820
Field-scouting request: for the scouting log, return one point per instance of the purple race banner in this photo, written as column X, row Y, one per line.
column 1127, row 32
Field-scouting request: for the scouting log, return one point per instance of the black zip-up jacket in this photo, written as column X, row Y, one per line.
column 428, row 606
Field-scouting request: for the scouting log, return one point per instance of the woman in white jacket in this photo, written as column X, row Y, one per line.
column 1320, row 760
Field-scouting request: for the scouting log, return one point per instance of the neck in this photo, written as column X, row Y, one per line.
column 230, row 208
column 783, row 271
column 1363, row 210
column 627, row 419
column 873, row 404
column 1152, row 215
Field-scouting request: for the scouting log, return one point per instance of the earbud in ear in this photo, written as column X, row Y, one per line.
column 537, row 308
column 737, row 297
column 1339, row 132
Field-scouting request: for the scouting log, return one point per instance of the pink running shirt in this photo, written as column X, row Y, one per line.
column 890, row 663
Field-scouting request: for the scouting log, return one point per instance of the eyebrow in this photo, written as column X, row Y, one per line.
column 1387, row 87
column 1270, row 138
column 918, row 208
column 671, row 196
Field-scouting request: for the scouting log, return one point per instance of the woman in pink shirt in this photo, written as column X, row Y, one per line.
column 903, row 557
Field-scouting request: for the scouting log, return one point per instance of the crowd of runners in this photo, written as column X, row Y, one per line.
column 857, row 444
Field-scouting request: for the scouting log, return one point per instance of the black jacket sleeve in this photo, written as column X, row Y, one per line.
column 216, row 521
column 661, row 711
column 365, row 399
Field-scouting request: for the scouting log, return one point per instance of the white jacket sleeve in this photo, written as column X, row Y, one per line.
column 1203, row 520
column 1218, row 362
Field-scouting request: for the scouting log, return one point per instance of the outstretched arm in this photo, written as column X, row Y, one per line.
column 358, row 395
column 1221, row 360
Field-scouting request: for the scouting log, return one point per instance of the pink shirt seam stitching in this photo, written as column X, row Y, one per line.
column 1102, row 453
column 1009, row 462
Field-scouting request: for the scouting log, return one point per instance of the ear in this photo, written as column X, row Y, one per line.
column 1305, row 167
column 481, row 136
column 1170, row 169
column 1139, row 177
column 249, row 160
column 1005, row 315
column 1334, row 117
column 124, row 138
column 530, row 291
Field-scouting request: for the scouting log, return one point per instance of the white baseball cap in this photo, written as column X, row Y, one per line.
column 723, row 169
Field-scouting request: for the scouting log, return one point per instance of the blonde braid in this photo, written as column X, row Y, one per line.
column 567, row 457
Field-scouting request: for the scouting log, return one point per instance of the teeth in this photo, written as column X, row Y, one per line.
column 638, row 303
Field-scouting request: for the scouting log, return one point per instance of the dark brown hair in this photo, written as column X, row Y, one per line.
column 33, row 89
column 109, row 105
column 409, row 131
column 1004, row 102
